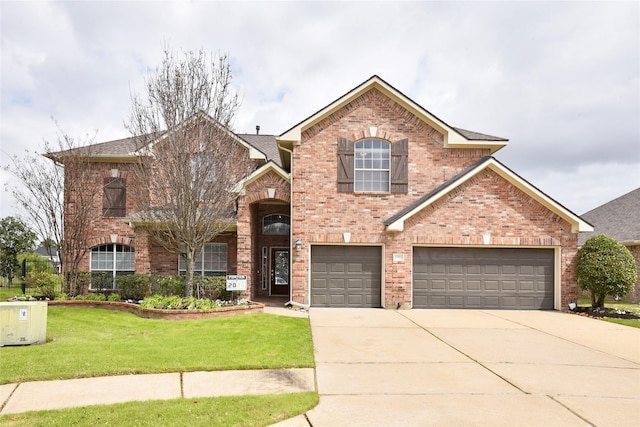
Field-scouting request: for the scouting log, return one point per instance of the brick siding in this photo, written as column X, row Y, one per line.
column 485, row 204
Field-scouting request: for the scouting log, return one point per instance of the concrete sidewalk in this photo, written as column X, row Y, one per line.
column 43, row 395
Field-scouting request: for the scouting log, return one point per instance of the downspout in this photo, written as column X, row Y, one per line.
column 291, row 302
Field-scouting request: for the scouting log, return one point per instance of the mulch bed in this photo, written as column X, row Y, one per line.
column 605, row 312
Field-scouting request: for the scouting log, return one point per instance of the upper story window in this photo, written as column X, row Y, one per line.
column 114, row 199
column 372, row 166
column 279, row 224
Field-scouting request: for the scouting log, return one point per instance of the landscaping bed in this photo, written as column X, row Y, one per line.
column 166, row 314
column 608, row 312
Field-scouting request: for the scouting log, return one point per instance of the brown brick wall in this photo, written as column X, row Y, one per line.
column 488, row 203
column 102, row 228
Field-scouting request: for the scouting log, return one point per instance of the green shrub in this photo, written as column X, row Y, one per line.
column 212, row 287
column 605, row 267
column 133, row 287
column 101, row 280
column 114, row 297
column 154, row 301
column 167, row 285
column 76, row 283
column 62, row 297
column 95, row 297
column 46, row 284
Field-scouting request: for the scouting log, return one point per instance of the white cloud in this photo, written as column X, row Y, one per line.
column 561, row 80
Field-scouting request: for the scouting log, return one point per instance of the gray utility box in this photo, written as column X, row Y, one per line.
column 23, row 323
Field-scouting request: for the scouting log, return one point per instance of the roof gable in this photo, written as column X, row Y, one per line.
column 453, row 137
column 260, row 172
column 396, row 222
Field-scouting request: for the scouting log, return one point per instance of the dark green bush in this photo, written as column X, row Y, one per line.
column 167, row 285
column 133, row 287
column 605, row 267
column 211, row 287
column 76, row 283
column 101, row 280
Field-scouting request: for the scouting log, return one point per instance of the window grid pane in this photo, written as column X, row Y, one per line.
column 372, row 166
column 114, row 258
column 210, row 262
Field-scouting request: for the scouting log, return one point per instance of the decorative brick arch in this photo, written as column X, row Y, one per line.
column 108, row 240
column 261, row 188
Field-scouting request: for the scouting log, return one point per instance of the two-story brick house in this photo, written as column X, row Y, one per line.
column 371, row 202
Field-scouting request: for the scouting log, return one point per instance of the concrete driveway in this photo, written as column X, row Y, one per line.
column 470, row 367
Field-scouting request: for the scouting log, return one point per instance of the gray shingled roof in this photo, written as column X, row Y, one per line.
column 265, row 143
column 118, row 148
column 619, row 218
column 125, row 147
column 477, row 136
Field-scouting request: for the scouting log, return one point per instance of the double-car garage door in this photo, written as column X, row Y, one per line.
column 490, row 278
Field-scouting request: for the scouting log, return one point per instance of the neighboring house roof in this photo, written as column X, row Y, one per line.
column 619, row 219
column 396, row 222
column 42, row 251
column 453, row 137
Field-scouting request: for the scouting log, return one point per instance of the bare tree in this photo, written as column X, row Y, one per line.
column 54, row 196
column 188, row 155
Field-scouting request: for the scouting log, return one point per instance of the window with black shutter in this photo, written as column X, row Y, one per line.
column 114, row 201
column 362, row 166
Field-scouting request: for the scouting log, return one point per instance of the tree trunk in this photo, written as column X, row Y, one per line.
column 597, row 300
column 191, row 266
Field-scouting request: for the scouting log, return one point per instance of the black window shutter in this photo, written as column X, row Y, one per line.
column 345, row 165
column 114, row 200
column 400, row 166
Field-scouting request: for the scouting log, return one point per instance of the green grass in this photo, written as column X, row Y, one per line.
column 85, row 342
column 220, row 411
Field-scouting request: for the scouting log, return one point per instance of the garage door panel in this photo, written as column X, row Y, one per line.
column 483, row 278
column 354, row 273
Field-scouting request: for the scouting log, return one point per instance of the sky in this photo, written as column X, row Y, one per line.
column 560, row 80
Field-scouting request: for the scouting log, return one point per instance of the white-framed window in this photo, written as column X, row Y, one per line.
column 278, row 224
column 372, row 166
column 211, row 261
column 109, row 261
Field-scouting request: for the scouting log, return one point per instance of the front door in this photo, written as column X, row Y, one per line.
column 280, row 271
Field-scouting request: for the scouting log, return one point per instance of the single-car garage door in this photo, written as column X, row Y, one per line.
column 496, row 278
column 345, row 276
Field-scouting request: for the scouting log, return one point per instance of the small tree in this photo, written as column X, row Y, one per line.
column 605, row 267
column 15, row 238
column 189, row 158
column 54, row 196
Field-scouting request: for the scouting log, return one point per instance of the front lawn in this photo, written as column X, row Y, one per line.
column 85, row 342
